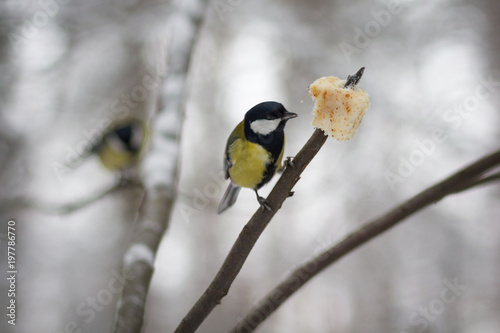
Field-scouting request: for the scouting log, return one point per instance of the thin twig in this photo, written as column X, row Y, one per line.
column 367, row 232
column 487, row 179
column 353, row 80
column 480, row 180
column 219, row 287
column 66, row 208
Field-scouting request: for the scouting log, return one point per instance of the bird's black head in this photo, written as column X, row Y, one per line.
column 128, row 135
column 266, row 118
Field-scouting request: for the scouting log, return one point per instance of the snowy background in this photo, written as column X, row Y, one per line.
column 433, row 75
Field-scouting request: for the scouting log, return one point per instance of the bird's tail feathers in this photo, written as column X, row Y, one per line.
column 229, row 197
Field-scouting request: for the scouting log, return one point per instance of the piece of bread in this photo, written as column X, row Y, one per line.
column 338, row 111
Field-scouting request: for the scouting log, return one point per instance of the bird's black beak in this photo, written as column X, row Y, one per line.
column 289, row 115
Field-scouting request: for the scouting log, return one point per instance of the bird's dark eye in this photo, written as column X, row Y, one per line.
column 270, row 117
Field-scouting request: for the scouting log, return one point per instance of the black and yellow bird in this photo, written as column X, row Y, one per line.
column 254, row 151
column 121, row 145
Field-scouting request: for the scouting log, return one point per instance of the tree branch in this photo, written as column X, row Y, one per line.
column 477, row 181
column 462, row 180
column 238, row 254
column 220, row 285
column 68, row 208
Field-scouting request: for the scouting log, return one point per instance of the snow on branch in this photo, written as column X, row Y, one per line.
column 160, row 167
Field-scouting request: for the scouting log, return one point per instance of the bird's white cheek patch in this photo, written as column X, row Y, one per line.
column 264, row 126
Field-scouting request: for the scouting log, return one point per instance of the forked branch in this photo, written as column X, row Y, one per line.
column 470, row 176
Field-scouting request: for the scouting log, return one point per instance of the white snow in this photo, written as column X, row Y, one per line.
column 138, row 252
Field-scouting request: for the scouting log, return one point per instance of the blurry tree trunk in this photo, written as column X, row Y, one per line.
column 12, row 167
column 160, row 168
column 491, row 43
column 492, row 9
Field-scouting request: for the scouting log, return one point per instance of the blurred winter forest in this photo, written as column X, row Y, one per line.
column 433, row 75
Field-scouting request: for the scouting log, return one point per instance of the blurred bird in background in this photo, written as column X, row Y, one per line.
column 120, row 147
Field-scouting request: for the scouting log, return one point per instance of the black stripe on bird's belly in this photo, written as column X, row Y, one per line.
column 273, row 143
column 268, row 174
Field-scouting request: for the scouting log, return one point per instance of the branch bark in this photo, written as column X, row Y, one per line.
column 220, row 285
column 468, row 177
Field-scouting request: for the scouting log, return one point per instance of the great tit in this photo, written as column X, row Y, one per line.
column 254, row 151
column 121, row 146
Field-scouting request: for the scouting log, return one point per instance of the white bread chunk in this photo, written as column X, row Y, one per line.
column 338, row 111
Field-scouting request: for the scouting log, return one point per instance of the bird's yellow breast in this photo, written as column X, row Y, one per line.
column 249, row 163
column 116, row 160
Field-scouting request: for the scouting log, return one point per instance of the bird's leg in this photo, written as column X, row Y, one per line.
column 262, row 201
column 289, row 162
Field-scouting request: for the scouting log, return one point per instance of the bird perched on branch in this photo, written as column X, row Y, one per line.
column 121, row 146
column 118, row 146
column 254, row 151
